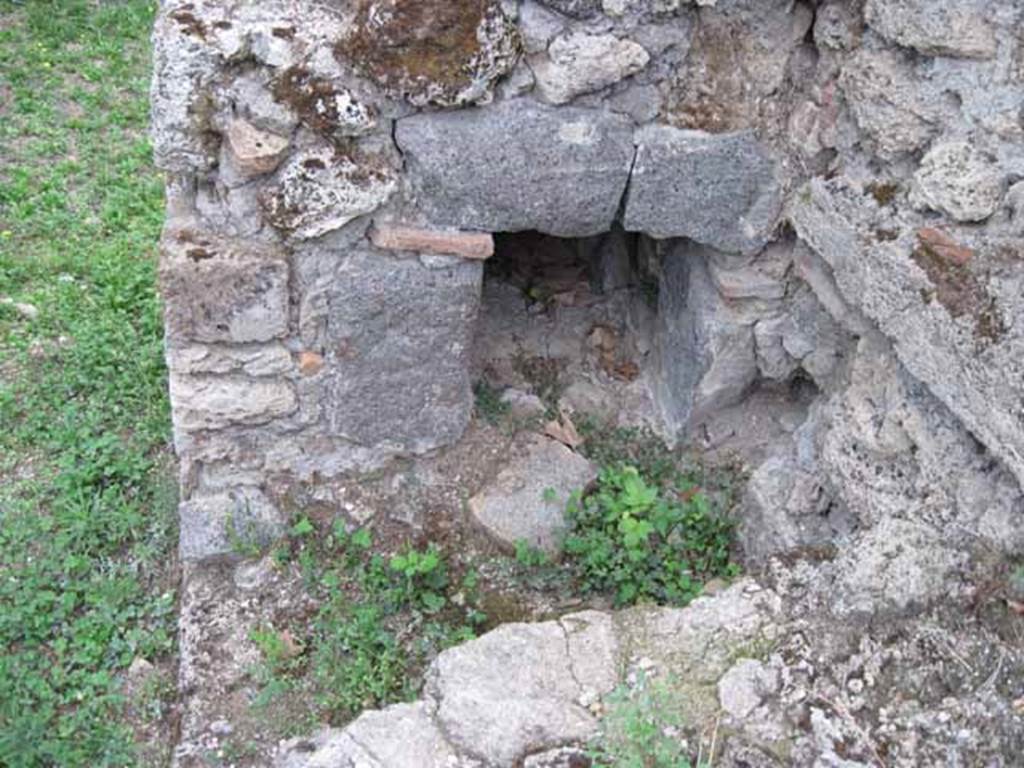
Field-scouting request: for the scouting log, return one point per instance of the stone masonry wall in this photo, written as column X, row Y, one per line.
column 837, row 185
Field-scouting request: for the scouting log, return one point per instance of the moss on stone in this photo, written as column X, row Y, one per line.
column 430, row 51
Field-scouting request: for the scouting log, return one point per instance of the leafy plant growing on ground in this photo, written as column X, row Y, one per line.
column 423, row 578
column 641, row 541
column 379, row 622
column 642, row 729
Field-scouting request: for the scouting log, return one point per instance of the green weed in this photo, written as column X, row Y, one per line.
column 645, row 542
column 379, row 622
column 528, row 556
column 643, row 728
column 489, row 405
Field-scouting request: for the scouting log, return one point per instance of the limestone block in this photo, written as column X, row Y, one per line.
column 742, row 689
column 252, row 93
column 215, row 402
column 468, row 245
column 934, row 27
column 580, row 63
column 251, row 359
column 221, row 290
column 254, row 152
column 396, row 338
column 445, row 52
column 225, row 523
column 184, row 65
column 319, row 191
column 937, row 313
column 327, row 748
column 888, row 102
column 960, row 181
column 517, row 166
column 594, row 652
column 403, row 736
column 509, row 693
column 720, row 190
column 519, row 503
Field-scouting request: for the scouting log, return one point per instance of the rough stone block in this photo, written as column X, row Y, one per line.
column 888, row 101
column 509, row 693
column 720, row 190
column 226, row 523
column 396, row 338
column 948, row 326
column 580, row 63
column 519, row 166
column 318, row 191
column 519, row 505
column 468, row 245
column 448, row 53
column 218, row 290
column 576, row 9
column 934, row 27
column 960, row 181
column 215, row 402
column 251, row 359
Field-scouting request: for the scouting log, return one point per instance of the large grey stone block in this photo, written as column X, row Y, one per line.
column 395, row 337
column 518, row 166
column 704, row 348
column 720, row 190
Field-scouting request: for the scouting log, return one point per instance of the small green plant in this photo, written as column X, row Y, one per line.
column 423, row 578
column 642, row 541
column 277, row 648
column 379, row 622
column 642, row 729
column 243, row 535
column 528, row 555
column 609, row 446
column 489, row 405
column 357, row 661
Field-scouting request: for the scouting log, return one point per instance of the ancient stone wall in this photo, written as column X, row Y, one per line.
column 835, row 188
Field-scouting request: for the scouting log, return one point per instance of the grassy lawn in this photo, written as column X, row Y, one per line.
column 86, row 487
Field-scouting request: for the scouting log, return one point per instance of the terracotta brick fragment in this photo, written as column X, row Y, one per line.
column 255, row 152
column 310, row 363
column 468, row 245
column 944, row 246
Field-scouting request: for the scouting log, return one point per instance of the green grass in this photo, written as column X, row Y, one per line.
column 86, row 500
